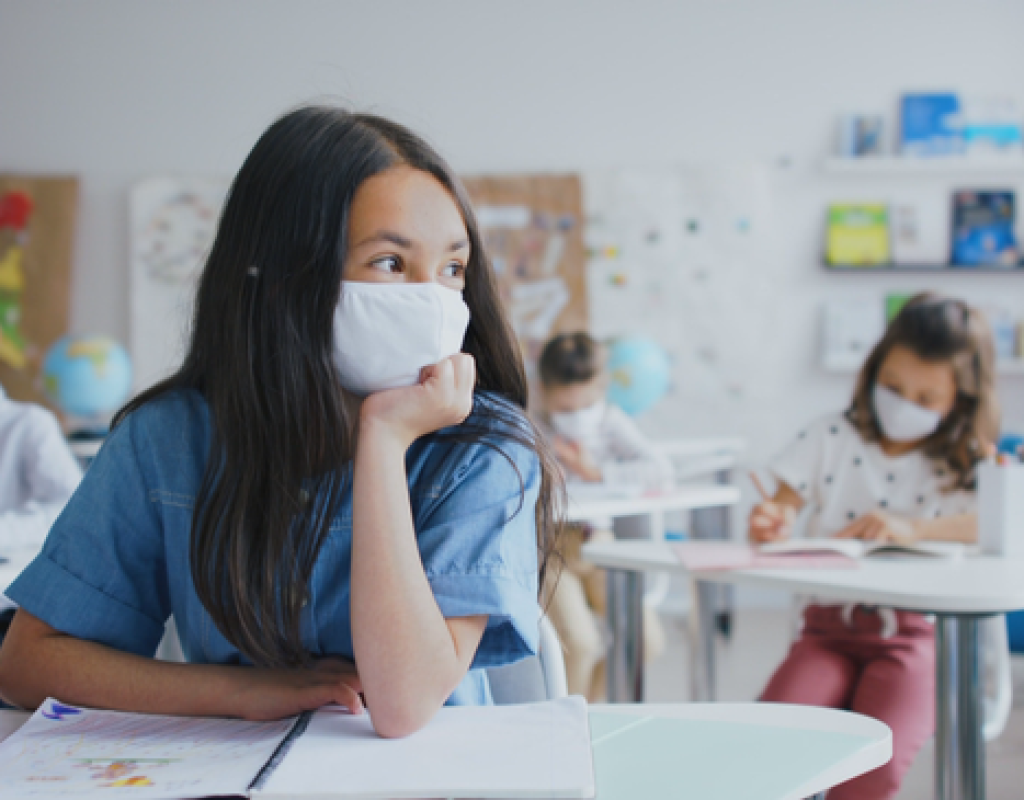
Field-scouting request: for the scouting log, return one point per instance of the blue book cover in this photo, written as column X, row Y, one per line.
column 983, row 229
column 929, row 125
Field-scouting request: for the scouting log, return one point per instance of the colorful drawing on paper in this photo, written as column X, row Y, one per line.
column 64, row 751
column 36, row 231
column 533, row 230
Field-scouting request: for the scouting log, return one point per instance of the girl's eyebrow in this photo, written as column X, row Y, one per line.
column 387, row 236
column 403, row 242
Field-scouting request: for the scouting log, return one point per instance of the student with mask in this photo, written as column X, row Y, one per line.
column 38, row 474
column 338, row 496
column 597, row 443
column 899, row 466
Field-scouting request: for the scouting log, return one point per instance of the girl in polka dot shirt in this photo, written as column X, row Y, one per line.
column 897, row 466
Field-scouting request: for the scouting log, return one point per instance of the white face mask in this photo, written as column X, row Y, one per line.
column 578, row 425
column 385, row 333
column 901, row 420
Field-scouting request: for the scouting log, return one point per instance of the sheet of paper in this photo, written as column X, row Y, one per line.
column 522, row 751
column 66, row 751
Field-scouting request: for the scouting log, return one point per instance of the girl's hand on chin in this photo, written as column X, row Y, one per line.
column 442, row 398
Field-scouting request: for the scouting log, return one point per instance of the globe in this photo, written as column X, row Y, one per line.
column 640, row 371
column 87, row 376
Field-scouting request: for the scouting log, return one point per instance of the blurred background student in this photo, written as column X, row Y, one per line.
column 38, row 474
column 597, row 444
column 897, row 466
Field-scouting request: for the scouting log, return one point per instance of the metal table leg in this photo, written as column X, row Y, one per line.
column 702, row 641
column 959, row 746
column 626, row 620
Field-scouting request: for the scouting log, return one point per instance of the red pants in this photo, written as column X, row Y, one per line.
column 852, row 667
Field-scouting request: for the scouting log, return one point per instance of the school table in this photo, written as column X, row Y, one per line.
column 960, row 593
column 741, row 751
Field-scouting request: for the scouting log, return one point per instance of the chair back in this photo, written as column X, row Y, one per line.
column 540, row 677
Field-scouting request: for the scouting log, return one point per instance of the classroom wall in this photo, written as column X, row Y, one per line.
column 115, row 90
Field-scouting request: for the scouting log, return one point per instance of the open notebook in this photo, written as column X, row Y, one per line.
column 713, row 556
column 856, row 548
column 524, row 751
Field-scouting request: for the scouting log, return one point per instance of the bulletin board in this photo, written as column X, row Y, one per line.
column 173, row 221
column 681, row 255
column 533, row 226
column 37, row 229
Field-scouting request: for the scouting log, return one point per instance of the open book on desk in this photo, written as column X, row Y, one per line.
column 712, row 556
column 534, row 750
column 858, row 548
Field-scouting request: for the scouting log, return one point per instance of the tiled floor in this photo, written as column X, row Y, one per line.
column 758, row 643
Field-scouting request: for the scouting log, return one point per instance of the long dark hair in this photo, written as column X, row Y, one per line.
column 260, row 354
column 944, row 330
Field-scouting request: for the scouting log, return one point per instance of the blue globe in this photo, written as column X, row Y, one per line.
column 640, row 373
column 87, row 376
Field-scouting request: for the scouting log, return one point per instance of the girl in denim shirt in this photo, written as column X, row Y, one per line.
column 338, row 496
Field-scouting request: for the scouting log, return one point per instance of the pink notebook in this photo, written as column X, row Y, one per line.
column 716, row 556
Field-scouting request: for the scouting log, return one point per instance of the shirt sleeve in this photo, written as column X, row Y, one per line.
column 636, row 460
column 478, row 543
column 51, row 475
column 101, row 575
column 51, row 470
column 801, row 462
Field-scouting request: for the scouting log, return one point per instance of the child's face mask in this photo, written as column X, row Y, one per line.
column 579, row 424
column 901, row 420
column 385, row 333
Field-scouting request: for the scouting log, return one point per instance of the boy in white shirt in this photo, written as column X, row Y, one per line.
column 595, row 442
column 38, row 474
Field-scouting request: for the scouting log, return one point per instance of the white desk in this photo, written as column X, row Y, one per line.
column 712, row 502
column 677, row 772
column 588, row 504
column 959, row 593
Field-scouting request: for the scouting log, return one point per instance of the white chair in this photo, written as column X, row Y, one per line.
column 540, row 677
column 997, row 676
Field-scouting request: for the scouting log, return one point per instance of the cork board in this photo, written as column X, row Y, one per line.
column 37, row 221
column 533, row 229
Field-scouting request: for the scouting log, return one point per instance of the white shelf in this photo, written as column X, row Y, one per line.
column 939, row 166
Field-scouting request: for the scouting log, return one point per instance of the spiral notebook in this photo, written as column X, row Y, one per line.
column 532, row 750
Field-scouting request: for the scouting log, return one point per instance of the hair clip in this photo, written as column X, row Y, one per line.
column 254, row 272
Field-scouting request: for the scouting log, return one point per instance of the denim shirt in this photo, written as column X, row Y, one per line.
column 115, row 565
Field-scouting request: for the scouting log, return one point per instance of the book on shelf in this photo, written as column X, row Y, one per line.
column 857, row 234
column 851, row 328
column 983, row 229
column 929, row 125
column 531, row 750
column 919, row 229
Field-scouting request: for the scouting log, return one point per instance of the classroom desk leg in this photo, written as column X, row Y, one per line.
column 702, row 641
column 959, row 746
column 626, row 621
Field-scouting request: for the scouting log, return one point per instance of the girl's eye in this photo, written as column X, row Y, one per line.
column 388, row 264
column 454, row 270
